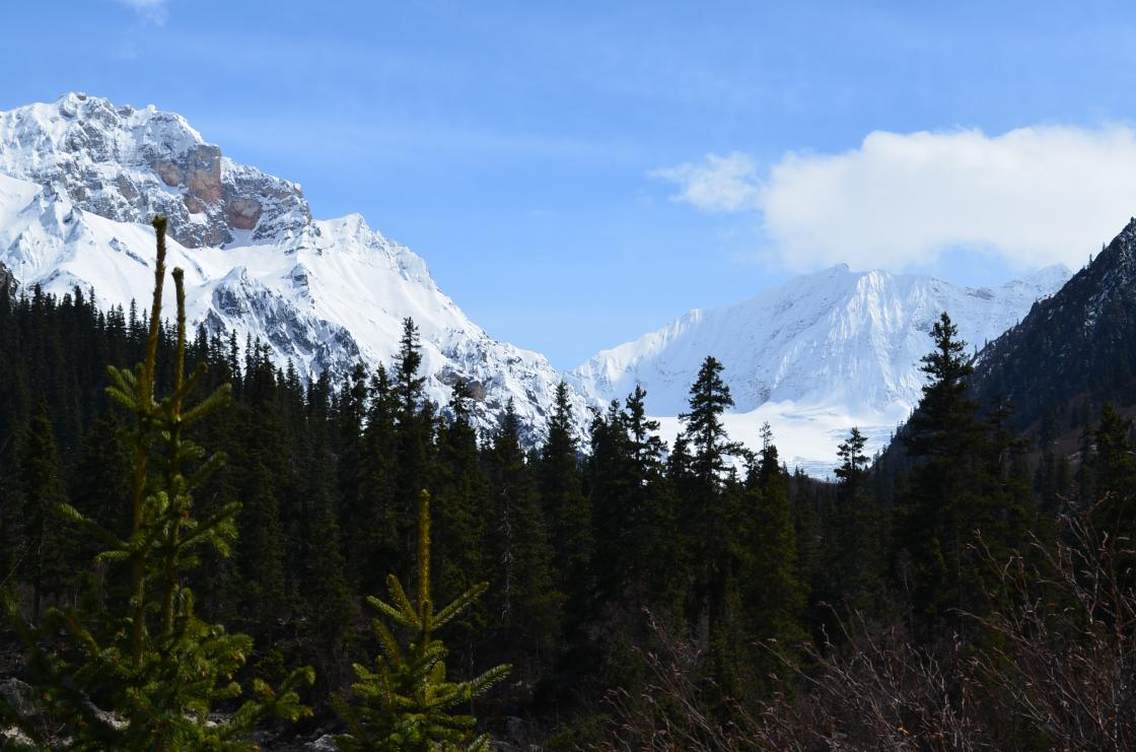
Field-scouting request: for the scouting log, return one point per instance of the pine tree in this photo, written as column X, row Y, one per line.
column 412, row 429
column 768, row 458
column 101, row 478
column 639, row 569
column 636, row 528
column 261, row 553
column 1113, row 511
column 853, row 546
column 703, row 426
column 46, row 548
column 525, row 607
column 371, row 520
column 354, row 465
column 157, row 668
column 610, row 490
column 945, row 423
column 328, row 608
column 1113, row 457
column 773, row 593
column 711, row 504
column 407, row 703
column 956, row 490
column 461, row 498
column 567, row 509
column 853, row 462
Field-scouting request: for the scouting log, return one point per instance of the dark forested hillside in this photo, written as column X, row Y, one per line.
column 1078, row 345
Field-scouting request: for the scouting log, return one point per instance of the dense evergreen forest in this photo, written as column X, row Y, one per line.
column 973, row 593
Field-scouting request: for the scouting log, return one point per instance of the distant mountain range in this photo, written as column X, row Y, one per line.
column 81, row 177
column 815, row 356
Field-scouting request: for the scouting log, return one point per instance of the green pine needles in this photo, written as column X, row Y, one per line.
column 407, row 704
column 152, row 676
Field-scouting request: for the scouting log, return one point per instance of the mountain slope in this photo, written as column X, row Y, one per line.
column 80, row 178
column 1079, row 343
column 815, row 356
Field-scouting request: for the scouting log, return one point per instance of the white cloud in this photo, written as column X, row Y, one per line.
column 1032, row 196
column 151, row 10
column 719, row 184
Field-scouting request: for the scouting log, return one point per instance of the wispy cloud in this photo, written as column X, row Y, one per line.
column 1032, row 196
column 717, row 184
column 155, row 11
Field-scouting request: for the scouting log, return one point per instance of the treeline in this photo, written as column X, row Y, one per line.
column 599, row 557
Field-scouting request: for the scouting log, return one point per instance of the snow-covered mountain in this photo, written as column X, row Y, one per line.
column 80, row 179
column 815, row 356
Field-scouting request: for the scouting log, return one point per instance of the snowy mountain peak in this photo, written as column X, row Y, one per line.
column 128, row 164
column 837, row 343
column 854, row 335
column 80, row 179
column 1048, row 278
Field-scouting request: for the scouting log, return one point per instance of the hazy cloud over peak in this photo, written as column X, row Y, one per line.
column 717, row 184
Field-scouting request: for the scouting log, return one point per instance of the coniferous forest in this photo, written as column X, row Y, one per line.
column 208, row 551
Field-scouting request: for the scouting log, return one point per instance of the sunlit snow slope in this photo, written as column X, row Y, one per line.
column 814, row 357
column 80, row 179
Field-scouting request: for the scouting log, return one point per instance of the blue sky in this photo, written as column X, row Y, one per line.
column 578, row 173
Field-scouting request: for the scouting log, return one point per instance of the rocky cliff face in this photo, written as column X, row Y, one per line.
column 128, row 164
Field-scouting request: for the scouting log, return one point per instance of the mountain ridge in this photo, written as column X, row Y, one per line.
column 836, row 302
column 1079, row 342
column 814, row 356
column 81, row 177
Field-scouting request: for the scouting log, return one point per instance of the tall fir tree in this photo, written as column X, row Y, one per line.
column 371, row 520
column 413, row 429
column 525, row 608
column 1112, row 511
column 955, row 494
column 328, row 609
column 711, row 516
column 462, row 493
column 46, row 549
column 854, row 555
column 353, row 460
column 567, row 510
column 773, row 593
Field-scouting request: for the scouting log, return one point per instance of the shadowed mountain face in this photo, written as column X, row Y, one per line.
column 1078, row 344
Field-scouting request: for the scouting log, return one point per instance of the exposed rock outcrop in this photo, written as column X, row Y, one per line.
column 128, row 164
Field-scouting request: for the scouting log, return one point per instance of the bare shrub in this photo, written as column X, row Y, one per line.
column 1052, row 668
column 1062, row 658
